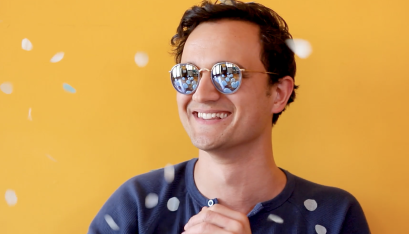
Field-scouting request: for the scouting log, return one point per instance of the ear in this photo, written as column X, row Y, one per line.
column 282, row 93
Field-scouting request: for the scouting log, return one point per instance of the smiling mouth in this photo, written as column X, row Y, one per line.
column 209, row 116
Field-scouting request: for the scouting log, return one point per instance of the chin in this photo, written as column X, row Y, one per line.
column 205, row 143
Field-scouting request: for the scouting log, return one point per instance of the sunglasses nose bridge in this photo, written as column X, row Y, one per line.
column 203, row 69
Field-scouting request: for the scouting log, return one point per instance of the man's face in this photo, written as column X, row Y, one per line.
column 249, row 110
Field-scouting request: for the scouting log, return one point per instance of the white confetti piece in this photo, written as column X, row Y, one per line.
column 275, row 218
column 226, row 2
column 310, row 204
column 173, row 204
column 26, row 44
column 151, row 200
column 6, row 87
column 169, row 173
column 11, row 197
column 48, row 156
column 57, row 57
column 141, row 59
column 29, row 115
column 300, row 47
column 320, row 229
column 110, row 221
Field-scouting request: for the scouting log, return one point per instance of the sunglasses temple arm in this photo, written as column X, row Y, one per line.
column 272, row 73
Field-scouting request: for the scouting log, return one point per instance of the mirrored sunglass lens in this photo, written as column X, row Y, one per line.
column 185, row 78
column 226, row 77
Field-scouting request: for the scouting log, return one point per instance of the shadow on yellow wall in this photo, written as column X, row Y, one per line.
column 76, row 126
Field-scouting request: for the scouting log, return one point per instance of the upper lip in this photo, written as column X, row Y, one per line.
column 210, row 111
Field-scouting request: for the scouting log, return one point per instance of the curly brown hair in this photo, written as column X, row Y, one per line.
column 275, row 54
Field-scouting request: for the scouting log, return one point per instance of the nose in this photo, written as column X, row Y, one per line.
column 206, row 92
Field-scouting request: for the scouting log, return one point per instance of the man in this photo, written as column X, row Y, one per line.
column 234, row 77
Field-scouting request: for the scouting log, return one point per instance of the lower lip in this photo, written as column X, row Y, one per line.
column 209, row 121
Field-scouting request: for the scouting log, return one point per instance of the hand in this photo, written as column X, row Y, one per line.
column 218, row 219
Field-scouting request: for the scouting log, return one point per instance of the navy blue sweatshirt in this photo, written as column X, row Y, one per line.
column 148, row 204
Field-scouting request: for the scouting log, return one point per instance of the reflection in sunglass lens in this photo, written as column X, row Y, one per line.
column 185, row 78
column 226, row 77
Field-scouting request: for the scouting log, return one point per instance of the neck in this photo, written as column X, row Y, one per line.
column 233, row 176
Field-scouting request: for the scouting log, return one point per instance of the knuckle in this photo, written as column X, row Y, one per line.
column 207, row 216
column 204, row 227
column 235, row 226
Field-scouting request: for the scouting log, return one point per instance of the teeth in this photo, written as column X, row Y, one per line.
column 211, row 115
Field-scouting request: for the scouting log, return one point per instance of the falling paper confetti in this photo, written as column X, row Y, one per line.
column 275, row 218
column 173, row 204
column 310, row 204
column 11, row 197
column 68, row 88
column 320, row 229
column 57, row 57
column 51, row 158
column 169, row 172
column 141, row 59
column 26, row 44
column 29, row 115
column 110, row 221
column 300, row 47
column 6, row 87
column 151, row 200
column 226, row 2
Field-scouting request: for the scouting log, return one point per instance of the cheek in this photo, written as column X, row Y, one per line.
column 182, row 101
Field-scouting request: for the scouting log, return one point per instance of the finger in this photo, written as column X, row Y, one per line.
column 214, row 218
column 205, row 228
column 229, row 213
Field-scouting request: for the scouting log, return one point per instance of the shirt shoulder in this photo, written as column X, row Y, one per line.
column 131, row 204
column 328, row 207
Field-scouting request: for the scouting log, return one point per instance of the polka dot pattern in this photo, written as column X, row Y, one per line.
column 110, row 221
column 275, row 218
column 310, row 204
column 320, row 229
column 151, row 200
column 173, row 204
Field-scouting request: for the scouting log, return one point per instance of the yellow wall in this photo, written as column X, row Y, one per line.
column 348, row 128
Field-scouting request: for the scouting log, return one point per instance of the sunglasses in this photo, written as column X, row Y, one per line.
column 226, row 77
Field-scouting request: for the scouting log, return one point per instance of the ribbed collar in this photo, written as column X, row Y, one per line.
column 268, row 205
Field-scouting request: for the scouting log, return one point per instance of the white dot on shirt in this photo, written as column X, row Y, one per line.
column 275, row 218
column 320, row 229
column 310, row 204
column 110, row 221
column 173, row 204
column 151, row 200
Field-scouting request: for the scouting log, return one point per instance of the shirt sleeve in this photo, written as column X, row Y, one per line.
column 119, row 213
column 355, row 221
